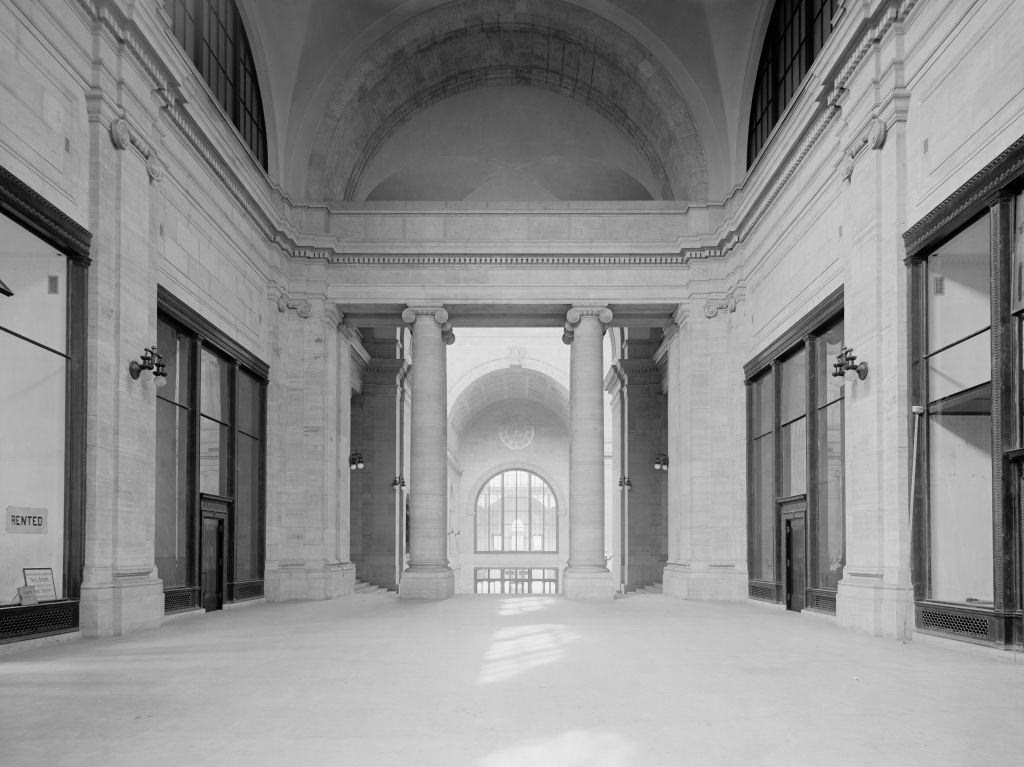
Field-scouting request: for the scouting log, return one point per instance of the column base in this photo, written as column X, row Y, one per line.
column 588, row 584
column 869, row 604
column 285, row 581
column 427, row 584
column 704, row 581
column 130, row 601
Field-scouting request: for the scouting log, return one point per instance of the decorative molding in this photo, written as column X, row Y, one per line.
column 300, row 306
column 871, row 136
column 43, row 218
column 826, row 311
column 715, row 305
column 334, row 257
column 120, row 133
column 967, row 201
column 897, row 10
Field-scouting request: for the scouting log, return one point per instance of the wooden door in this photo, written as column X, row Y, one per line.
column 796, row 563
column 213, row 563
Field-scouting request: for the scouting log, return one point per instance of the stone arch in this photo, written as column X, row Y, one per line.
column 469, row 44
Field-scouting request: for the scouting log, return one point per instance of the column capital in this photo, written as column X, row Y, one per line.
column 576, row 314
column 436, row 312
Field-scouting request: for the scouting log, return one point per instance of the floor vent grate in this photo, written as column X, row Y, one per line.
column 954, row 623
column 824, row 602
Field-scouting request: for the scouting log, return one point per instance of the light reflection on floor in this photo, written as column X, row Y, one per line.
column 517, row 649
column 576, row 748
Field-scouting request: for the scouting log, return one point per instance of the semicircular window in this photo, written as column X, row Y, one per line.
column 516, row 510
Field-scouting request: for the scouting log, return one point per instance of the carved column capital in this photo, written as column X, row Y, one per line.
column 300, row 306
column 715, row 305
column 576, row 314
column 438, row 313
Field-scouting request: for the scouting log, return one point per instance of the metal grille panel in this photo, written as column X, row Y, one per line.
column 248, row 590
column 824, row 602
column 37, row 620
column 955, row 623
column 178, row 600
column 760, row 591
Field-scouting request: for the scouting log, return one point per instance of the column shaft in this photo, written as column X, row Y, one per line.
column 428, row 575
column 587, row 575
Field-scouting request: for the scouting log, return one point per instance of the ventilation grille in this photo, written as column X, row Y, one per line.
column 178, row 600
column 35, row 620
column 824, row 602
column 761, row 591
column 249, row 590
column 955, row 623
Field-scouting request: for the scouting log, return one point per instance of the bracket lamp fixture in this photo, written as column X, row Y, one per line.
column 355, row 461
column 149, row 360
column 625, row 483
column 661, row 462
column 398, row 482
column 847, row 360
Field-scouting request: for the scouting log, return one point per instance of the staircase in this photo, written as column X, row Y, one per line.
column 368, row 588
column 650, row 588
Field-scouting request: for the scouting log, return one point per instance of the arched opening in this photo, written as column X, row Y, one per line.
column 516, row 510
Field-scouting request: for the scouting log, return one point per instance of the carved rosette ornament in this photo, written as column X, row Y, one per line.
column 574, row 316
column 515, row 432
column 440, row 316
column 120, row 133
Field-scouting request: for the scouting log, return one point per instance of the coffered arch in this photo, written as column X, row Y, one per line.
column 471, row 44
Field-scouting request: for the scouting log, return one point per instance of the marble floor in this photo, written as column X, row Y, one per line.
column 373, row 681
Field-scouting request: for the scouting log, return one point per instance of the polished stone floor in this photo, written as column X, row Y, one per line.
column 372, row 681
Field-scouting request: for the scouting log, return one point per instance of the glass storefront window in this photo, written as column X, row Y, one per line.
column 959, row 420
column 33, row 393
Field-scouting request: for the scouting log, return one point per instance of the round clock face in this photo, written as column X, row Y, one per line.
column 516, row 432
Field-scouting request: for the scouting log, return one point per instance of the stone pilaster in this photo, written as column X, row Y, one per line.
column 120, row 589
column 707, row 516
column 587, row 575
column 376, row 502
column 428, row 575
column 307, row 551
column 875, row 593
column 642, row 415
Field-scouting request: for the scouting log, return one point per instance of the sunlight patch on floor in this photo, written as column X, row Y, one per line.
column 517, row 649
column 523, row 605
column 576, row 748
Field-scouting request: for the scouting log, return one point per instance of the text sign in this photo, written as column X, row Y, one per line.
column 40, row 579
column 22, row 519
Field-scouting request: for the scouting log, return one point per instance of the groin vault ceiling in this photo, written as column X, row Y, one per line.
column 506, row 100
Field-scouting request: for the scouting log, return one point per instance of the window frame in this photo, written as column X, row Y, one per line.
column 208, row 337
column 476, row 515
column 765, row 366
column 30, row 210
column 774, row 89
column 243, row 107
column 992, row 190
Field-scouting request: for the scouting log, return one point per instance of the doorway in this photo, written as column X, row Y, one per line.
column 213, row 562
column 796, row 560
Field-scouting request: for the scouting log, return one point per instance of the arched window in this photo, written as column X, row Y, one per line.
column 516, row 511
column 796, row 33
column 212, row 35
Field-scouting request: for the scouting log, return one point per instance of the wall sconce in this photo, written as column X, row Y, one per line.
column 625, row 483
column 453, row 532
column 847, row 360
column 661, row 462
column 150, row 360
column 355, row 461
column 398, row 482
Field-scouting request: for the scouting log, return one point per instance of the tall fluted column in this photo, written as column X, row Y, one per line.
column 587, row 576
column 428, row 575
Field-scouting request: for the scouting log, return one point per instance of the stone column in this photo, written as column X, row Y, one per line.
column 587, row 576
column 428, row 575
